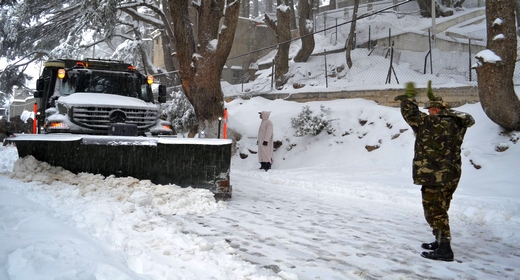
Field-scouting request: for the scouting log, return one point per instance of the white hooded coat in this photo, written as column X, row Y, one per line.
column 265, row 133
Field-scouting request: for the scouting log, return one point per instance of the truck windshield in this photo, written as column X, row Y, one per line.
column 120, row 83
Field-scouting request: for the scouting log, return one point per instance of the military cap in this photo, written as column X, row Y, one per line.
column 436, row 104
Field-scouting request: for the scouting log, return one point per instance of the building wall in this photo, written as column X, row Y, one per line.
column 23, row 101
column 250, row 36
column 158, row 54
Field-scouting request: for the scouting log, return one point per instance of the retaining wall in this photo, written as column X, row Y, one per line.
column 455, row 96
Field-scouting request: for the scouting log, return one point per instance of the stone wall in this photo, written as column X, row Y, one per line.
column 455, row 96
column 250, row 36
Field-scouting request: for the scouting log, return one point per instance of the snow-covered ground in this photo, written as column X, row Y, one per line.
column 370, row 68
column 329, row 209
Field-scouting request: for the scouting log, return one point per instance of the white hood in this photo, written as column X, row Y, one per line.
column 103, row 99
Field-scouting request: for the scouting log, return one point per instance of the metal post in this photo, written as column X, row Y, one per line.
column 324, row 23
column 272, row 75
column 431, row 59
column 35, row 118
column 433, row 23
column 326, row 75
column 389, row 36
column 469, row 54
column 336, row 26
column 38, row 122
column 369, row 43
column 219, row 123
column 225, row 123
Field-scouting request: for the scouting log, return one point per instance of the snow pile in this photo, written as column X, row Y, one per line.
column 93, row 211
column 160, row 199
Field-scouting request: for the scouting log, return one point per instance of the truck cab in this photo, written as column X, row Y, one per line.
column 99, row 97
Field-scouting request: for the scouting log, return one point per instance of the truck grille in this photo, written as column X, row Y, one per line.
column 98, row 118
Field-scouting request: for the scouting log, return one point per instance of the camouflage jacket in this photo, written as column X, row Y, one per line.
column 438, row 140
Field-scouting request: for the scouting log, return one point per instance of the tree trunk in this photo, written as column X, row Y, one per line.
column 200, row 66
column 425, row 7
column 495, row 78
column 268, row 6
column 168, row 40
column 332, row 5
column 517, row 9
column 350, row 44
column 167, row 53
column 458, row 3
column 282, row 56
column 290, row 4
column 244, row 9
column 283, row 32
column 316, row 7
column 256, row 10
column 306, row 28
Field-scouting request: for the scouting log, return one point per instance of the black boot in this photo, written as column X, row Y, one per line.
column 267, row 166
column 262, row 165
column 443, row 253
column 430, row 246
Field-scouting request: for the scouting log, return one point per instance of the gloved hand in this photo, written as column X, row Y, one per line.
column 409, row 92
column 429, row 91
column 265, row 143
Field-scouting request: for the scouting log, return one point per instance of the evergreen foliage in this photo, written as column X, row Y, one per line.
column 39, row 30
column 10, row 77
column 307, row 124
column 180, row 113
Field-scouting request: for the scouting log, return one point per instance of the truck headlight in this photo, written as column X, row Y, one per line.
column 57, row 125
column 167, row 126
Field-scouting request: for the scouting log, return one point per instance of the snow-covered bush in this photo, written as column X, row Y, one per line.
column 180, row 112
column 307, row 124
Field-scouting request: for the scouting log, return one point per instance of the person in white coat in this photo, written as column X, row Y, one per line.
column 265, row 141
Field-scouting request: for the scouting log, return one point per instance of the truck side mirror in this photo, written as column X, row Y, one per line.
column 40, row 84
column 162, row 94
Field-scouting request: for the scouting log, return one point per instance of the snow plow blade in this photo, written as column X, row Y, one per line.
column 197, row 163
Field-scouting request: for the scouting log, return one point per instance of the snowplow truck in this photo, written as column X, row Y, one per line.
column 100, row 116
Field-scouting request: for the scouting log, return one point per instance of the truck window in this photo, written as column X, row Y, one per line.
column 103, row 82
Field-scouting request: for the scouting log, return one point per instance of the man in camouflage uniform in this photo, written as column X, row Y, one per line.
column 436, row 162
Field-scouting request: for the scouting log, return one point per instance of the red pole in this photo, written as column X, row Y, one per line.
column 34, row 118
column 225, row 122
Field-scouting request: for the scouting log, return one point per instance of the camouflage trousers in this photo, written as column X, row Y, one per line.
column 436, row 203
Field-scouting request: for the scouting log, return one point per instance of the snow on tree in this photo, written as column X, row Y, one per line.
column 202, row 54
column 40, row 30
column 495, row 66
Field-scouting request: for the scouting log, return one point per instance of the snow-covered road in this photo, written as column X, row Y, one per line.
column 330, row 235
